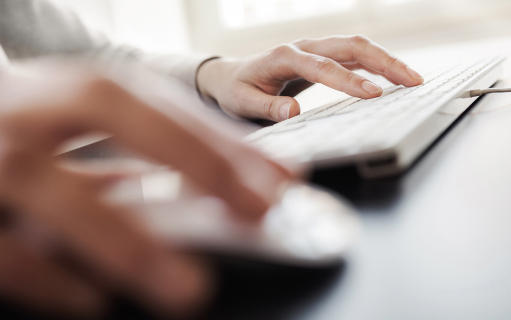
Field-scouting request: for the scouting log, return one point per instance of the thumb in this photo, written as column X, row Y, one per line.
column 258, row 104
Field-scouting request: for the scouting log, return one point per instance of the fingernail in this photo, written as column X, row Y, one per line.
column 284, row 111
column 413, row 73
column 370, row 87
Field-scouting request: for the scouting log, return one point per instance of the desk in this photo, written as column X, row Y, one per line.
column 436, row 242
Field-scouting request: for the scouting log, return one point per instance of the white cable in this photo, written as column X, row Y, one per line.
column 476, row 93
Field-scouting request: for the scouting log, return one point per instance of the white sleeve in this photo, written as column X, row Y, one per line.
column 38, row 28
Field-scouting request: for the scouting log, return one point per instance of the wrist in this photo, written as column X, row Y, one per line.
column 211, row 77
column 204, row 78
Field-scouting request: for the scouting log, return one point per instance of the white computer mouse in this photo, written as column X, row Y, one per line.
column 308, row 227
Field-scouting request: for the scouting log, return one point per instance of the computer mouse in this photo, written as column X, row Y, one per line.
column 309, row 227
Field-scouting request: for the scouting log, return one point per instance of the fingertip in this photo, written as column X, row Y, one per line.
column 405, row 76
column 413, row 83
column 419, row 81
column 294, row 110
column 372, row 89
column 290, row 169
column 284, row 110
column 289, row 108
column 258, row 208
column 417, row 78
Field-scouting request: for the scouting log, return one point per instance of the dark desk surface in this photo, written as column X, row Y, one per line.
column 437, row 241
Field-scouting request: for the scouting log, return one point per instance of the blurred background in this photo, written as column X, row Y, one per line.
column 242, row 27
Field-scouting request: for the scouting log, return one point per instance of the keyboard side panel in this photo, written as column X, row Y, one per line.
column 414, row 143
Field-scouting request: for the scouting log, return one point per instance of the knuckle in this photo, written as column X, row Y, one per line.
column 301, row 42
column 322, row 64
column 281, row 51
column 97, row 90
column 99, row 86
column 359, row 39
column 351, row 78
column 392, row 62
column 333, row 40
column 337, row 37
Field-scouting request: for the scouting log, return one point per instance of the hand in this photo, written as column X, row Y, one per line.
column 49, row 211
column 251, row 87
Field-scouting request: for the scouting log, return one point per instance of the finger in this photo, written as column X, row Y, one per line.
column 319, row 69
column 360, row 49
column 104, row 173
column 27, row 279
column 217, row 163
column 358, row 66
column 209, row 158
column 298, row 170
column 114, row 245
column 102, row 181
column 276, row 108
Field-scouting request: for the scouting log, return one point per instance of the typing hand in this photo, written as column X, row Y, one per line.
column 51, row 214
column 251, row 87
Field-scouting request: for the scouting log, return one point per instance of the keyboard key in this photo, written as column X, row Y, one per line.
column 289, row 128
column 259, row 134
column 331, row 111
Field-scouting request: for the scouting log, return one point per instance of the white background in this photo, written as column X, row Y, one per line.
column 212, row 26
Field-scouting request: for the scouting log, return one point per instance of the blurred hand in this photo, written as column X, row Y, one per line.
column 251, row 87
column 48, row 209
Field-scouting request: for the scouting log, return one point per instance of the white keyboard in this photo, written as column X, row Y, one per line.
column 381, row 136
